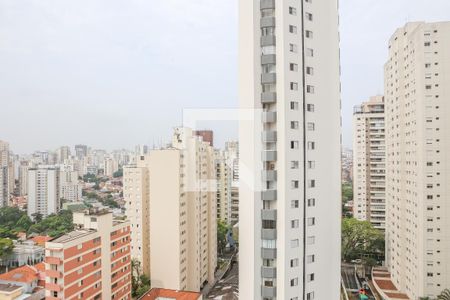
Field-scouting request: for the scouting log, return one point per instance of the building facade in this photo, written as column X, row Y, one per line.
column 417, row 89
column 4, row 173
column 369, row 162
column 70, row 189
column 289, row 230
column 171, row 203
column 43, row 191
column 92, row 262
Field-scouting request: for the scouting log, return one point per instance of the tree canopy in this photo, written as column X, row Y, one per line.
column 6, row 246
column 361, row 240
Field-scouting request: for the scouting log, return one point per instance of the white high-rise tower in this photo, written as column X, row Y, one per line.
column 290, row 208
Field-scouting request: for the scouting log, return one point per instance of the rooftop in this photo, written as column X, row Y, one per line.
column 73, row 235
column 41, row 239
column 8, row 288
column 25, row 274
column 155, row 294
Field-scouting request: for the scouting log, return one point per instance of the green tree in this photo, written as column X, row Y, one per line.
column 54, row 225
column 222, row 230
column 360, row 239
column 444, row 295
column 140, row 283
column 118, row 173
column 23, row 224
column 6, row 247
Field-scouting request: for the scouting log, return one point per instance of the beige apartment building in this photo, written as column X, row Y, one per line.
column 417, row 93
column 177, row 186
column 136, row 194
column 91, row 262
column 369, row 154
column 43, row 191
column 224, row 178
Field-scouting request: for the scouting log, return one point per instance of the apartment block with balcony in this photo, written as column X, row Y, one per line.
column 290, row 171
column 417, row 90
column 369, row 162
column 91, row 262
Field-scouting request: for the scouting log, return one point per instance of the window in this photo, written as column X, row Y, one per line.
column 311, row 240
column 294, row 262
column 294, row 86
column 294, row 105
column 428, row 87
column 293, row 67
column 294, row 164
column 311, row 202
column 294, row 124
column 294, row 144
column 292, row 11
column 310, row 277
column 294, row 243
column 310, row 296
column 310, row 70
column 310, row 259
column 266, row 50
column 311, row 126
column 309, row 52
column 293, row 48
column 311, row 145
column 427, row 44
column 269, row 244
column 311, row 183
column 311, row 164
column 294, row 184
column 294, row 282
column 294, row 203
column 293, row 29
column 309, row 16
column 310, row 107
column 309, row 34
column 294, row 223
column 311, row 221
column 310, row 89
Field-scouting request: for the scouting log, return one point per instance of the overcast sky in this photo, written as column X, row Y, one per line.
column 113, row 74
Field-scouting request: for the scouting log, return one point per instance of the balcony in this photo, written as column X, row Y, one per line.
column 53, row 260
column 53, row 273
column 269, row 155
column 267, row 22
column 269, row 214
column 268, row 253
column 269, row 234
column 267, row 78
column 269, row 195
column 266, row 4
column 268, row 291
column 268, row 40
column 53, row 287
column 268, row 272
column 269, row 175
column 268, row 59
column 269, row 136
column 268, row 97
column 269, row 117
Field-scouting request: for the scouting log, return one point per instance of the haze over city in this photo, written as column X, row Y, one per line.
column 100, row 70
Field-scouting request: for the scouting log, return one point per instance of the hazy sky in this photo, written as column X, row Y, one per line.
column 113, row 74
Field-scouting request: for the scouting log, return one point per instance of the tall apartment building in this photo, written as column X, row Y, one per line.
column 81, row 151
column 91, row 262
column 43, row 191
column 136, row 195
column 289, row 230
column 4, row 173
column 232, row 150
column 177, row 187
column 62, row 154
column 110, row 166
column 224, row 176
column 369, row 162
column 417, row 90
column 70, row 188
column 23, row 178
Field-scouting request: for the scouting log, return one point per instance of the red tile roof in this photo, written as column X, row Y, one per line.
column 41, row 239
column 154, row 293
column 26, row 274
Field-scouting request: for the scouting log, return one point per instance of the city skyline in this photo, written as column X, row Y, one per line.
column 112, row 79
